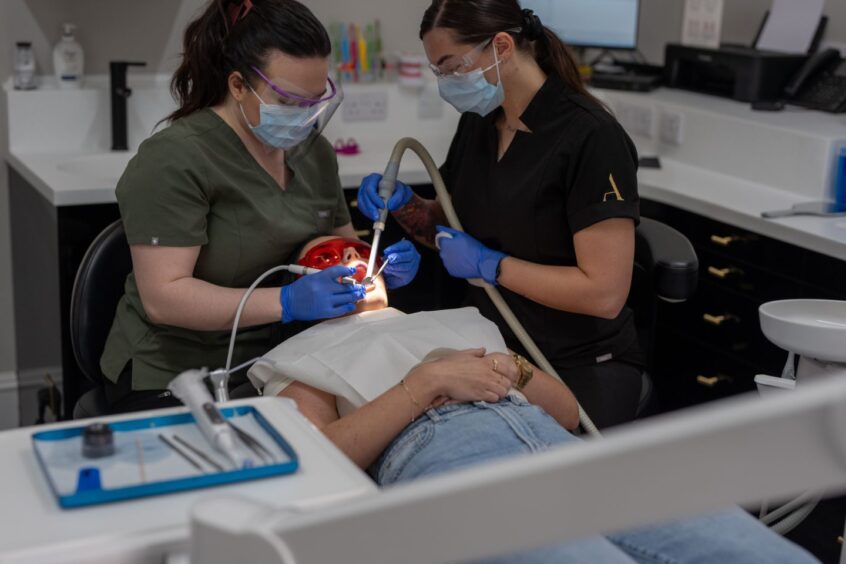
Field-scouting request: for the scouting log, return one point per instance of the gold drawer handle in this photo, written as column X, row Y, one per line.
column 724, row 241
column 354, row 204
column 711, row 381
column 719, row 320
column 363, row 233
column 723, row 273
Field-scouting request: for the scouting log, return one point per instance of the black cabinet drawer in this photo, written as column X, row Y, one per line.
column 727, row 322
column 825, row 276
column 731, row 243
column 750, row 281
column 689, row 373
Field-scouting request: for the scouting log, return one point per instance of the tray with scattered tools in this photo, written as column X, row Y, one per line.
column 102, row 463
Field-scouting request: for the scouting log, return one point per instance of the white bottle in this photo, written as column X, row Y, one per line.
column 68, row 59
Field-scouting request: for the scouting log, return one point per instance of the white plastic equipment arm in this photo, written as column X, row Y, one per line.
column 662, row 469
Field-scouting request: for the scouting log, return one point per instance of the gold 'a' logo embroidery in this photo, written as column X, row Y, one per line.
column 615, row 192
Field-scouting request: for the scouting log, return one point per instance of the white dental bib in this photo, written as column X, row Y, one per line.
column 360, row 357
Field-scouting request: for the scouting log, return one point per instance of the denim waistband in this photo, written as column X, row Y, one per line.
column 445, row 412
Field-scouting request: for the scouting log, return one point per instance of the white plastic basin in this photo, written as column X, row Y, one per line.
column 812, row 328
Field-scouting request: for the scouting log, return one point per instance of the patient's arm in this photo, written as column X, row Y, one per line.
column 545, row 391
column 365, row 433
column 554, row 397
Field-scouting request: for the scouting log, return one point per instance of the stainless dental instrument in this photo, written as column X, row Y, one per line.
column 179, row 451
column 253, row 444
column 200, row 454
column 370, row 280
column 141, row 470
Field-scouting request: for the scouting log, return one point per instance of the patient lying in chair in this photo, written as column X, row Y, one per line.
column 408, row 396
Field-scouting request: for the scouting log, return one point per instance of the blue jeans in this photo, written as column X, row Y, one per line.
column 456, row 436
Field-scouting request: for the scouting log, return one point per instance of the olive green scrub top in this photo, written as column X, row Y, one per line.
column 194, row 184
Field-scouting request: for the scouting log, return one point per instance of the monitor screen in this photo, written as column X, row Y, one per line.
column 608, row 24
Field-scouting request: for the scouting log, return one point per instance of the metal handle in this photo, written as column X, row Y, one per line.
column 724, row 241
column 719, row 320
column 711, row 381
column 354, row 204
column 363, row 233
column 723, row 273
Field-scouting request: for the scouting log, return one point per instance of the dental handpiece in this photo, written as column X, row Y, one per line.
column 189, row 387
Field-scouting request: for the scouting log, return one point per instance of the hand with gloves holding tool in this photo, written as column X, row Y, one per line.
column 403, row 262
column 369, row 201
column 465, row 257
column 320, row 296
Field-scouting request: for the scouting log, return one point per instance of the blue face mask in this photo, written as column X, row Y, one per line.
column 282, row 127
column 471, row 92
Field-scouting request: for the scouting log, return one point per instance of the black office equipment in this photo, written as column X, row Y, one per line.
column 634, row 77
column 820, row 84
column 741, row 73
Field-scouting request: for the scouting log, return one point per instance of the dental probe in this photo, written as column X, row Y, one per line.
column 370, row 280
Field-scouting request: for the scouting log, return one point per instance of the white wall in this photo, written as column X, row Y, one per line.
column 151, row 31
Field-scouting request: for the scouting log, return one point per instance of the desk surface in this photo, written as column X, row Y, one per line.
column 34, row 529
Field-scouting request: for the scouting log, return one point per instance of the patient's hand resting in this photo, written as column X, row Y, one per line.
column 467, row 376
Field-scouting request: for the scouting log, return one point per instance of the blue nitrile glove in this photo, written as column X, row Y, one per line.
column 320, row 296
column 369, row 201
column 465, row 257
column 403, row 263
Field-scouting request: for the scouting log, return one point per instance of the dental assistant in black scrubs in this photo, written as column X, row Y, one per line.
column 544, row 180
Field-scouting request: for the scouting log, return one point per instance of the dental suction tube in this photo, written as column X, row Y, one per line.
column 220, row 377
column 386, row 189
column 390, row 176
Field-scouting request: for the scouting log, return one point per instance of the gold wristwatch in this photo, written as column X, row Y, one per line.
column 526, row 371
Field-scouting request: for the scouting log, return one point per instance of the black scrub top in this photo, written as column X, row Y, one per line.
column 576, row 168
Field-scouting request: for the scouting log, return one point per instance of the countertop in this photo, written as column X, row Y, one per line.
column 704, row 192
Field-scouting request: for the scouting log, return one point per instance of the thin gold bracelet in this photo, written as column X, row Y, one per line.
column 413, row 399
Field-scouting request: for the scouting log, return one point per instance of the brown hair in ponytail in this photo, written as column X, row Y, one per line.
column 236, row 35
column 474, row 21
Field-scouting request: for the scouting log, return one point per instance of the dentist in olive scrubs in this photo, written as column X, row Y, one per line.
column 544, row 181
column 238, row 181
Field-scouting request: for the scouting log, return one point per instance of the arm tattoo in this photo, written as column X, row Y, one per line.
column 419, row 218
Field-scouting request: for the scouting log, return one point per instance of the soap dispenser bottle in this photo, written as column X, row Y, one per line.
column 68, row 59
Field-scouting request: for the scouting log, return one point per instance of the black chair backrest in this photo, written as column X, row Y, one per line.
column 666, row 268
column 98, row 287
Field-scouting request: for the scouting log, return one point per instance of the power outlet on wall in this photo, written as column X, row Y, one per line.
column 365, row 106
column 636, row 119
column 671, row 127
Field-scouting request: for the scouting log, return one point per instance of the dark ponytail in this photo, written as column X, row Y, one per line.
column 236, row 35
column 474, row 21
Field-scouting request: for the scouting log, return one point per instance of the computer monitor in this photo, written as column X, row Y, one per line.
column 604, row 24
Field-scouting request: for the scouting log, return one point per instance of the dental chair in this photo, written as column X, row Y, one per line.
column 98, row 287
column 666, row 269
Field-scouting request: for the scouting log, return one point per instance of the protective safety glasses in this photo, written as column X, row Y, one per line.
column 332, row 92
column 337, row 251
column 457, row 67
column 318, row 111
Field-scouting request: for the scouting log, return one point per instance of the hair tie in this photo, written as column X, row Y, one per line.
column 239, row 11
column 532, row 27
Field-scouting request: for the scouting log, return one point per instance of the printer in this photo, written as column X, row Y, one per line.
column 742, row 73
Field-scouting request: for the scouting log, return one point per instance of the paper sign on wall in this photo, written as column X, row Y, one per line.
column 703, row 22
